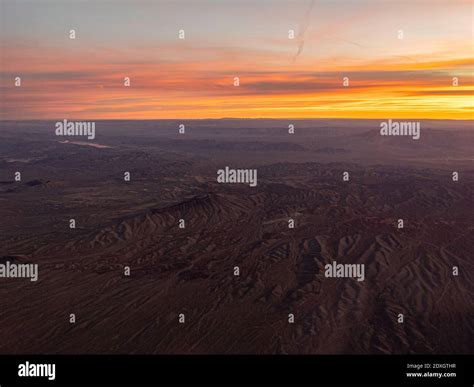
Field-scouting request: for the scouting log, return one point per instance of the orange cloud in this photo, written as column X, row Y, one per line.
column 184, row 81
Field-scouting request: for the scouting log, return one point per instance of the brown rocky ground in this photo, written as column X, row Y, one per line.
column 190, row 270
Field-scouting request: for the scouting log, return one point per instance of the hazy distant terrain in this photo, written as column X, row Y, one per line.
column 191, row 270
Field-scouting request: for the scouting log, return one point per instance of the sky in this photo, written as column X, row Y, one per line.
column 399, row 58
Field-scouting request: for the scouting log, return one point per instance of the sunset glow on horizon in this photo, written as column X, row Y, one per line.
column 388, row 75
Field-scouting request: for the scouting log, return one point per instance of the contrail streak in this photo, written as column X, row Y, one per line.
column 302, row 30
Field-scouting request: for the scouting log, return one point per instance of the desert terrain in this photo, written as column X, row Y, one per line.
column 190, row 270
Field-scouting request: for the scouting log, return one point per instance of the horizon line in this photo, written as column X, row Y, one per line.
column 239, row 118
